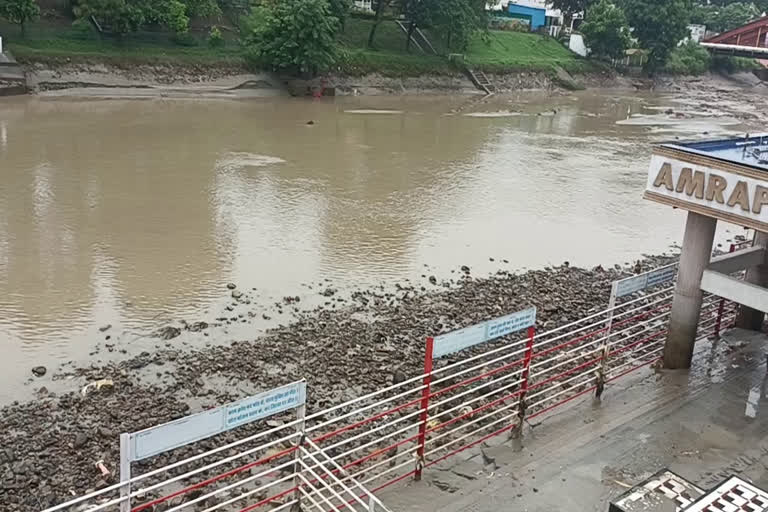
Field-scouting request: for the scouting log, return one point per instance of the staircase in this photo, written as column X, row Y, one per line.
column 481, row 81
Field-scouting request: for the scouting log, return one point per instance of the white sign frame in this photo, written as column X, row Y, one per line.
column 746, row 186
column 196, row 427
column 456, row 341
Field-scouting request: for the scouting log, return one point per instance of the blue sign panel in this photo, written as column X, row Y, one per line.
column 168, row 436
column 636, row 283
column 474, row 335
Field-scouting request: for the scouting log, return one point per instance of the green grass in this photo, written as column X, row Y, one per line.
column 516, row 51
column 503, row 52
column 57, row 41
column 389, row 57
column 129, row 51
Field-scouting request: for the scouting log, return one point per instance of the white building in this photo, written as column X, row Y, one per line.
column 363, row 5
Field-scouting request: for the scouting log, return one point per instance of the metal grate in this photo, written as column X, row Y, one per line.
column 663, row 490
column 733, row 495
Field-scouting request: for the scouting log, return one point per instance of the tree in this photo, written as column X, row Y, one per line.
column 606, row 31
column 19, row 12
column 571, row 7
column 297, row 36
column 659, row 26
column 733, row 16
column 378, row 8
column 339, row 9
column 724, row 18
column 459, row 20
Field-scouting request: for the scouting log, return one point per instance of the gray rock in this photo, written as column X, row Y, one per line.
column 168, row 332
column 39, row 371
column 231, row 286
column 81, row 438
column 236, row 294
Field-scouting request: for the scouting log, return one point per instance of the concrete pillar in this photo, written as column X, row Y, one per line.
column 749, row 318
column 686, row 304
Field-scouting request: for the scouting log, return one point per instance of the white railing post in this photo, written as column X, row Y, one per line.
column 301, row 413
column 600, row 377
column 125, row 472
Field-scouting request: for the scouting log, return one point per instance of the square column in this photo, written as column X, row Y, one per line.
column 749, row 318
column 686, row 304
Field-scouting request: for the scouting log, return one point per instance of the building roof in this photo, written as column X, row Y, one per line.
column 749, row 151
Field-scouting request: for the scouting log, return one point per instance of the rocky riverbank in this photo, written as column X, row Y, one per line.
column 105, row 79
column 348, row 346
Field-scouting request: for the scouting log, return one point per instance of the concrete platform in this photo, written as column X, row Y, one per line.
column 705, row 425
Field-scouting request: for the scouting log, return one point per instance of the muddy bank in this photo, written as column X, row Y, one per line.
column 103, row 79
column 348, row 346
column 56, row 77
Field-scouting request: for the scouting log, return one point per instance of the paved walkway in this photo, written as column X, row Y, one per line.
column 705, row 425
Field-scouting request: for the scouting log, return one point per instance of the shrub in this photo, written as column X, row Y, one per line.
column 215, row 39
column 688, row 59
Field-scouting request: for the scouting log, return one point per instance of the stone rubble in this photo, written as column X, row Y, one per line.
column 373, row 339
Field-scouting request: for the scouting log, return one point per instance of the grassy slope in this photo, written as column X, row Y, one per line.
column 504, row 51
column 389, row 57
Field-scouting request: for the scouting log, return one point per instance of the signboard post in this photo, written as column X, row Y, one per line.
column 196, row 427
column 622, row 288
column 125, row 474
column 462, row 339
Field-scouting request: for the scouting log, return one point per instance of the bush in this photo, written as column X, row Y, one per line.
column 606, row 31
column 215, row 39
column 733, row 64
column 688, row 59
column 297, row 36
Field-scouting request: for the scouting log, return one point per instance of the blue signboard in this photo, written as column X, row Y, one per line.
column 474, row 335
column 159, row 439
column 634, row 284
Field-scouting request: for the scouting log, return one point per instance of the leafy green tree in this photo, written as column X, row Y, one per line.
column 571, row 7
column 659, row 26
column 19, row 12
column 339, row 9
column 379, row 6
column 297, row 36
column 733, row 16
column 459, row 20
column 606, row 30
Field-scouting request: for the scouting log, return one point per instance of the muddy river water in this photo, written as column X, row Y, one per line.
column 135, row 213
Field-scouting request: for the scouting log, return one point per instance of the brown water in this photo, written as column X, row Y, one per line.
column 138, row 212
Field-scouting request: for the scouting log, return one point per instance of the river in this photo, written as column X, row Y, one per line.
column 136, row 213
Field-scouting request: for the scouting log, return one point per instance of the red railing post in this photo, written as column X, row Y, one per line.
column 721, row 306
column 424, row 406
column 517, row 433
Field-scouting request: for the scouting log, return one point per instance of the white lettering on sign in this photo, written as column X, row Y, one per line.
column 474, row 335
column 640, row 282
column 159, row 439
column 719, row 190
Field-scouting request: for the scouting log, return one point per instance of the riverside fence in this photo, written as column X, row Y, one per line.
column 478, row 383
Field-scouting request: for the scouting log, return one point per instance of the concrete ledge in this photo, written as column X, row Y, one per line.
column 733, row 262
column 735, row 290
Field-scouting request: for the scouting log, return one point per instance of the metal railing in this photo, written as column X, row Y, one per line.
column 339, row 457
